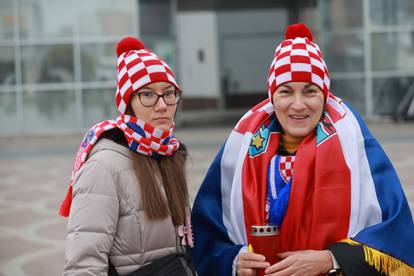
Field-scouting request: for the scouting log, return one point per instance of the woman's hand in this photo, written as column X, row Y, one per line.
column 247, row 263
column 305, row 262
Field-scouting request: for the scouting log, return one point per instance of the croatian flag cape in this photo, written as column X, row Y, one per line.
column 344, row 189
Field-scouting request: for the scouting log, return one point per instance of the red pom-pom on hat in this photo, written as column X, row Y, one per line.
column 127, row 44
column 298, row 30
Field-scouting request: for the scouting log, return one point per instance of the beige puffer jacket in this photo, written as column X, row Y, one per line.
column 106, row 217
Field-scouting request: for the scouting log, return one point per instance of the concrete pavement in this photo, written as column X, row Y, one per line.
column 34, row 173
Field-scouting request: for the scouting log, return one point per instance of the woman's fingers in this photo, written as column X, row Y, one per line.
column 252, row 257
column 305, row 262
column 247, row 263
column 246, row 272
column 254, row 264
column 286, row 254
column 279, row 266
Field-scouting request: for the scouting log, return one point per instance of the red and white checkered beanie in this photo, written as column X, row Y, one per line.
column 138, row 67
column 299, row 59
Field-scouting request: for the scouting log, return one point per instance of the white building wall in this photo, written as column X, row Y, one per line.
column 197, row 36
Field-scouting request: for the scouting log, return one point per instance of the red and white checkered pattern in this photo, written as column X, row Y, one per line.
column 136, row 69
column 98, row 129
column 153, row 140
column 298, row 60
column 286, row 167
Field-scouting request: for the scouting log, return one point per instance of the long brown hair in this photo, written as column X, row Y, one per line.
column 169, row 172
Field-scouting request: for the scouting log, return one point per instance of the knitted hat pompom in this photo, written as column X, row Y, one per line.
column 298, row 30
column 128, row 44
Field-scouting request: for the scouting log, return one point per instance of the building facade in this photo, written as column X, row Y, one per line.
column 57, row 59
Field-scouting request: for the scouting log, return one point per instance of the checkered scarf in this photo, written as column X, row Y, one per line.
column 146, row 139
column 141, row 137
column 299, row 59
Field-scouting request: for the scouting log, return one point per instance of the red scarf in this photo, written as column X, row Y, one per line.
column 320, row 174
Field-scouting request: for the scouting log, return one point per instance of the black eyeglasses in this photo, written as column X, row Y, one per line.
column 148, row 98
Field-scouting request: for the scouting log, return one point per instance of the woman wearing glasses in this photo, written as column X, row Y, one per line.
column 127, row 201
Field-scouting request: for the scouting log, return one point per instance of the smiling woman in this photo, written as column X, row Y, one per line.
column 298, row 107
column 304, row 163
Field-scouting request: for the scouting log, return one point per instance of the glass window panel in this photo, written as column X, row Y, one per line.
column 338, row 14
column 49, row 109
column 155, row 17
column 249, row 73
column 46, row 18
column 393, row 51
column 8, row 112
column 390, row 95
column 391, row 12
column 7, row 20
column 48, row 64
column 351, row 91
column 106, row 17
column 310, row 16
column 240, row 22
column 243, row 71
column 7, row 73
column 344, row 52
column 98, row 105
column 98, row 62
